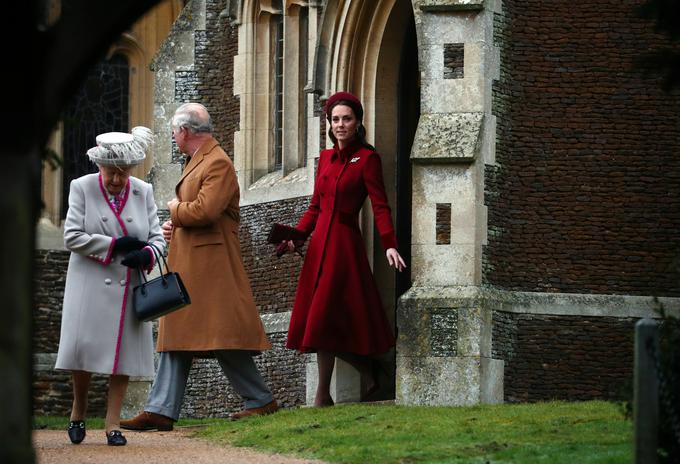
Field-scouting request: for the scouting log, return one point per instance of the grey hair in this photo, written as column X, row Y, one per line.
column 189, row 115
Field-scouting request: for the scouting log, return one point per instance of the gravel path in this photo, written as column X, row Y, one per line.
column 54, row 447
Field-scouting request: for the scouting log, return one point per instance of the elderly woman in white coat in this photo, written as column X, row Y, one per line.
column 111, row 220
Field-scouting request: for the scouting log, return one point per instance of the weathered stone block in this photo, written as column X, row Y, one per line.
column 414, row 333
column 459, row 381
column 135, row 397
column 345, row 383
column 444, row 265
column 448, row 137
column 474, row 332
column 165, row 178
column 432, row 323
column 444, row 348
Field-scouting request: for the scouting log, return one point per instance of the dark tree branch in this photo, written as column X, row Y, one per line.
column 43, row 68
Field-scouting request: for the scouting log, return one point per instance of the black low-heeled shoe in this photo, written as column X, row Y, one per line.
column 115, row 438
column 76, row 431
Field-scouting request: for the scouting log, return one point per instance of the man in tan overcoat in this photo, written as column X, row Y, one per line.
column 204, row 249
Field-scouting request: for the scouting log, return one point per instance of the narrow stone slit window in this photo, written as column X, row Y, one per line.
column 278, row 92
column 443, row 223
column 454, row 60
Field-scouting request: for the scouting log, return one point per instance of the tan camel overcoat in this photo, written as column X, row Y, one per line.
column 206, row 252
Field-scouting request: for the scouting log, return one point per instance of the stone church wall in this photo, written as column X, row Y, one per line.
column 52, row 393
column 584, row 197
column 564, row 357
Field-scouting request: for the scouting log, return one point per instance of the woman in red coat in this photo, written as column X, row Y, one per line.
column 337, row 311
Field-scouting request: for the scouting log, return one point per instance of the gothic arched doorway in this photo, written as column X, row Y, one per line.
column 370, row 48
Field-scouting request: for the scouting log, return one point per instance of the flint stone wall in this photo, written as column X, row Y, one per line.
column 564, row 357
column 585, row 195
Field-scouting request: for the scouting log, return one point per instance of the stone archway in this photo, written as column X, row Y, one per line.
column 369, row 48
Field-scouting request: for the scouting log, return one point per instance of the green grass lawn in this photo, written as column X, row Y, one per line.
column 553, row 432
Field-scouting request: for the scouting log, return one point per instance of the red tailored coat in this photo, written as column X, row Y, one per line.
column 337, row 306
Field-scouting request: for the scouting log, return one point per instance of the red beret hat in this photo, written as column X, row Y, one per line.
column 351, row 101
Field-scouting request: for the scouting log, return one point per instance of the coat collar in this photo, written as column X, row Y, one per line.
column 198, row 157
column 125, row 194
column 346, row 152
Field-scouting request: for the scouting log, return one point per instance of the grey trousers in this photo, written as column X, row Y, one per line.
column 167, row 392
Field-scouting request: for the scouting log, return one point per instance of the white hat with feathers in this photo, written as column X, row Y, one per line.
column 121, row 148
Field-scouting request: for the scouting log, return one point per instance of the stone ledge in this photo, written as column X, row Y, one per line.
column 566, row 304
column 277, row 178
column 451, row 137
column 452, row 5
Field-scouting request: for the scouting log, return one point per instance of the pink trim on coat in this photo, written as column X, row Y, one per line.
column 127, row 277
column 109, row 253
column 121, row 322
column 122, row 206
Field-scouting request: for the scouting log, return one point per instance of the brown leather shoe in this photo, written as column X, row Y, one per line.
column 261, row 411
column 148, row 421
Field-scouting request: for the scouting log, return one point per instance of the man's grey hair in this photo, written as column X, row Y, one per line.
column 190, row 116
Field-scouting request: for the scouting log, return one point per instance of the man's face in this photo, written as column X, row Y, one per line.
column 179, row 135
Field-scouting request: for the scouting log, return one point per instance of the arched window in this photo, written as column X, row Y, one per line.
column 100, row 105
column 270, row 79
column 277, row 91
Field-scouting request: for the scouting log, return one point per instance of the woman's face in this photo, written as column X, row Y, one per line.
column 115, row 178
column 343, row 124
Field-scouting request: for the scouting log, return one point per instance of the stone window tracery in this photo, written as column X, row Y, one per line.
column 271, row 74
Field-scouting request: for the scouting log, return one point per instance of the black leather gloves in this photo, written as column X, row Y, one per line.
column 137, row 259
column 127, row 243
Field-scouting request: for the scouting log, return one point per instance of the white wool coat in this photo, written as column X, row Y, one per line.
column 99, row 332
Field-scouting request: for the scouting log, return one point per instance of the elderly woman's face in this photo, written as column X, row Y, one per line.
column 343, row 124
column 115, row 178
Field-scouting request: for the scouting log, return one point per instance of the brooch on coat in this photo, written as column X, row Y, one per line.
column 355, row 159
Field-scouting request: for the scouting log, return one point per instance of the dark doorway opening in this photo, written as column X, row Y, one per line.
column 408, row 113
column 397, row 112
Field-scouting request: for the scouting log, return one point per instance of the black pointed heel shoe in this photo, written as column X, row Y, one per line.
column 115, row 438
column 76, row 431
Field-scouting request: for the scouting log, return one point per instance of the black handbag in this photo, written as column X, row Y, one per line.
column 162, row 295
